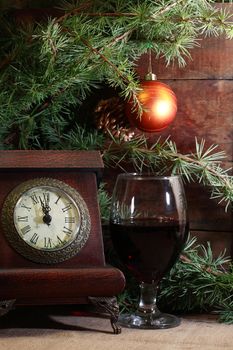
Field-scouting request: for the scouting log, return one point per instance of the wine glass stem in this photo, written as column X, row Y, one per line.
column 147, row 303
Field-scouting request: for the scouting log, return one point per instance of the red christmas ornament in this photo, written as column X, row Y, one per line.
column 159, row 107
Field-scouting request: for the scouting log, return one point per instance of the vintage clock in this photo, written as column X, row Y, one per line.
column 46, row 220
column 51, row 249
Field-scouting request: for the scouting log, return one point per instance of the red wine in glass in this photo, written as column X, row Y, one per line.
column 148, row 227
column 148, row 249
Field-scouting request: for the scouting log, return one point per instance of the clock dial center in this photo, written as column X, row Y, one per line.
column 47, row 219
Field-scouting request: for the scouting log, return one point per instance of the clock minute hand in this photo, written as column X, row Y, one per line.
column 43, row 206
column 46, row 201
column 46, row 209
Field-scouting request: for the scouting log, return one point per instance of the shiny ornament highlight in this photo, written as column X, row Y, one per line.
column 159, row 107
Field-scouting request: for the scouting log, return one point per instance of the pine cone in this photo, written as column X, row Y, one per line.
column 110, row 117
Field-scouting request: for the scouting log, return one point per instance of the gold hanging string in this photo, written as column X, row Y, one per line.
column 150, row 75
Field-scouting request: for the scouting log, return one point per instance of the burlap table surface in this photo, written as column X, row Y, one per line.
column 54, row 331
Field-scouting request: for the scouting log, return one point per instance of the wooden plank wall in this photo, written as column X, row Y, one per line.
column 204, row 88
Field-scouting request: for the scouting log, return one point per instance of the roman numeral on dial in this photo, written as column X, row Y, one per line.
column 59, row 240
column 69, row 220
column 57, row 199
column 25, row 229
column 34, row 238
column 22, row 218
column 35, row 199
column 25, row 207
column 67, row 230
column 68, row 207
column 47, row 242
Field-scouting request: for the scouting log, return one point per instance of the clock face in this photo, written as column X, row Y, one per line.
column 46, row 220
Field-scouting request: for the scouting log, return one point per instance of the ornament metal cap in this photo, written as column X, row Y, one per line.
column 150, row 76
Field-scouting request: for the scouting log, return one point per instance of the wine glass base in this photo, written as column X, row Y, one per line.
column 149, row 321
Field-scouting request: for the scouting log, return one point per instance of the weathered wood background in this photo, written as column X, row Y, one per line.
column 204, row 89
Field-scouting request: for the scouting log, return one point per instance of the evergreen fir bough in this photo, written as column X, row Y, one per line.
column 199, row 282
column 202, row 165
column 47, row 68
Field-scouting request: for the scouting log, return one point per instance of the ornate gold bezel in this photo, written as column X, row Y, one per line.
column 44, row 256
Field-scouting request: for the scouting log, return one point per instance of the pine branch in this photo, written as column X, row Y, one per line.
column 120, row 37
column 198, row 282
column 114, row 67
column 51, row 66
column 75, row 11
column 204, row 166
column 186, row 260
column 104, row 203
column 167, row 8
column 115, row 14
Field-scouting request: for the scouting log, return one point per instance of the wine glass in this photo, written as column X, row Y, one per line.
column 148, row 226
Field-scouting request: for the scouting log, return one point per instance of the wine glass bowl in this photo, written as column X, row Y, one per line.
column 148, row 225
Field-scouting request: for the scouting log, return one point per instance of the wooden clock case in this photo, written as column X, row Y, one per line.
column 85, row 278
